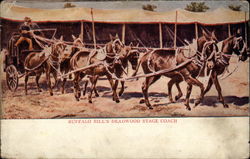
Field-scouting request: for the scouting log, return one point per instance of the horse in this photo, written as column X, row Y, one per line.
column 232, row 44
column 127, row 55
column 77, row 46
column 178, row 78
column 109, row 61
column 47, row 61
column 182, row 67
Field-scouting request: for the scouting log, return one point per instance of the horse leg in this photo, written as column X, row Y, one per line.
column 49, row 81
column 177, row 84
column 218, row 88
column 199, row 84
column 85, row 87
column 170, row 85
column 176, row 81
column 115, row 97
column 149, row 81
column 115, row 88
column 122, row 89
column 209, row 85
column 37, row 82
column 95, row 90
column 76, row 86
column 189, row 90
column 63, row 85
column 93, row 80
column 193, row 81
column 55, row 78
column 25, row 83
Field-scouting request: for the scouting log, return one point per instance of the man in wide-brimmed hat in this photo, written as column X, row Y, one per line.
column 26, row 34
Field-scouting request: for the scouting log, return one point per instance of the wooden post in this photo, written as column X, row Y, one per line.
column 123, row 32
column 196, row 31
column 93, row 28
column 229, row 30
column 160, row 34
column 82, row 31
column 175, row 30
column 246, row 28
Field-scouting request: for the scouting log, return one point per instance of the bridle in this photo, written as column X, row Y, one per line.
column 201, row 58
column 114, row 45
column 236, row 47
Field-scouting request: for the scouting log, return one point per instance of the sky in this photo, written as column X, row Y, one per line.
column 161, row 5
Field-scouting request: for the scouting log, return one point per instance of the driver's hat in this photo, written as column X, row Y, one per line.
column 27, row 19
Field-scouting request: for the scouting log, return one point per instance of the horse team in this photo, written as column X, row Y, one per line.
column 112, row 61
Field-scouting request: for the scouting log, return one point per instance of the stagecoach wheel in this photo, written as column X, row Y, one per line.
column 12, row 77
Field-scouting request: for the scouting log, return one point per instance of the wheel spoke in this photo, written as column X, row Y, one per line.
column 14, row 82
column 11, row 85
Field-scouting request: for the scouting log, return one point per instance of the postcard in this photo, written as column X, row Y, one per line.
column 124, row 79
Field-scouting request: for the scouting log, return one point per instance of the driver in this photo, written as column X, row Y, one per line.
column 26, row 34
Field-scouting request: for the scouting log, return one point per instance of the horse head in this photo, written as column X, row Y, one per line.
column 133, row 58
column 115, row 44
column 61, row 51
column 77, row 42
column 209, row 52
column 204, row 38
column 240, row 48
column 132, row 55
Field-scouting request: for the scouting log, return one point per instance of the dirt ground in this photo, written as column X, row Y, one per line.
column 36, row 104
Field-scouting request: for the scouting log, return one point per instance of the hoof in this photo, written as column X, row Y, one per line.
column 39, row 90
column 226, row 106
column 197, row 103
column 150, row 107
column 120, row 94
column 90, row 101
column 79, row 94
column 97, row 95
column 117, row 101
column 77, row 99
column 51, row 94
column 171, row 100
column 177, row 98
column 188, row 108
column 142, row 101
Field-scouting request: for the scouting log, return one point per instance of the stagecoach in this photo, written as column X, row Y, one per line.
column 14, row 57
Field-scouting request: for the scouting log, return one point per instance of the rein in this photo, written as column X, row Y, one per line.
column 221, row 59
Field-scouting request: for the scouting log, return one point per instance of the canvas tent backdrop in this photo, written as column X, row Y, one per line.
column 149, row 29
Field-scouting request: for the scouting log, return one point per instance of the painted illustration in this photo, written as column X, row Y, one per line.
column 128, row 59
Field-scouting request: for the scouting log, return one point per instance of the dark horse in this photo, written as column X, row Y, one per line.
column 65, row 65
column 162, row 59
column 109, row 62
column 48, row 60
column 127, row 55
column 230, row 45
column 178, row 79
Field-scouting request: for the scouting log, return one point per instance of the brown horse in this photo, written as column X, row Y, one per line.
column 110, row 61
column 178, row 79
column 77, row 46
column 161, row 59
column 127, row 55
column 48, row 60
column 230, row 45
